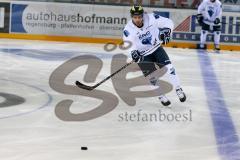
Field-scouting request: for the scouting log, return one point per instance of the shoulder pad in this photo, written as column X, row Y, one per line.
column 156, row 15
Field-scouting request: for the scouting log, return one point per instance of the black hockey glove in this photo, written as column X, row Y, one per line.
column 217, row 21
column 136, row 56
column 165, row 35
column 200, row 19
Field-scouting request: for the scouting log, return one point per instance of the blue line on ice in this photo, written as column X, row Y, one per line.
column 226, row 136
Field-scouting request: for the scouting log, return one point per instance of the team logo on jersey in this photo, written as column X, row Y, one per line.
column 142, row 36
column 210, row 11
column 146, row 38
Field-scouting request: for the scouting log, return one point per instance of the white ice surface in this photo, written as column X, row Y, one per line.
column 37, row 134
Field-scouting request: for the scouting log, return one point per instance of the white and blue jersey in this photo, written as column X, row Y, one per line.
column 146, row 39
column 210, row 11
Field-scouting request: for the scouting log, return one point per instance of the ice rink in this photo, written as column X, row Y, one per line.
column 31, row 130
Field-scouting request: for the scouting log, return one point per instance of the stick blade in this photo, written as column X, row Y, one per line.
column 80, row 85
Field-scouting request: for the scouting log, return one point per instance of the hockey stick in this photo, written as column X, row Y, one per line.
column 83, row 86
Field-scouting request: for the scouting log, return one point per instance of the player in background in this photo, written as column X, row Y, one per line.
column 209, row 16
column 147, row 32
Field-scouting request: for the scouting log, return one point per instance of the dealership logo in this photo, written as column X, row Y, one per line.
column 30, row 18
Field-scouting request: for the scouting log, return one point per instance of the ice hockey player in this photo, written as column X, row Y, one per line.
column 209, row 17
column 147, row 32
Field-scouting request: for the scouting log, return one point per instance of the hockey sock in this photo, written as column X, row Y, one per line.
column 203, row 36
column 217, row 37
column 172, row 76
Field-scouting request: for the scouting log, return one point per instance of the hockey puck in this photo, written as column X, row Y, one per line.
column 84, row 148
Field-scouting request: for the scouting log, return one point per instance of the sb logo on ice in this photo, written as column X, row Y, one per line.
column 128, row 89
